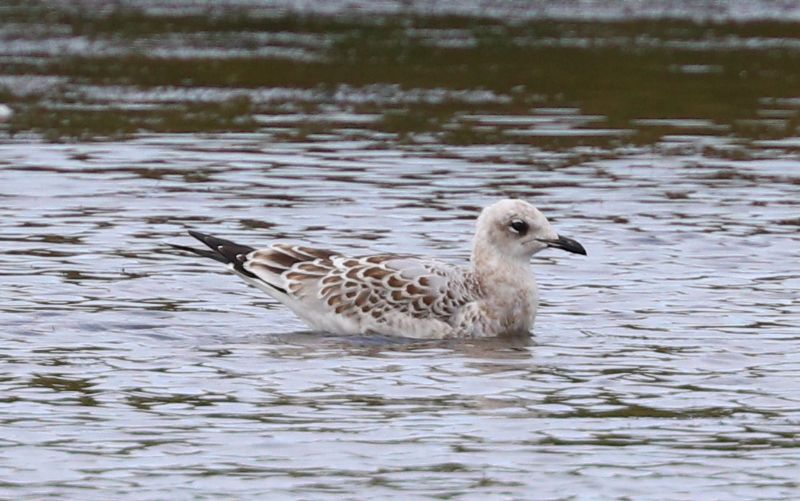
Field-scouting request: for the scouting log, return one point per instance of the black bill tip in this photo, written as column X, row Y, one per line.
column 564, row 243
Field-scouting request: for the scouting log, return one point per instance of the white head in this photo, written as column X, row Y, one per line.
column 517, row 230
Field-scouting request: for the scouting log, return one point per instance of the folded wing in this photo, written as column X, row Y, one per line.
column 377, row 289
column 379, row 286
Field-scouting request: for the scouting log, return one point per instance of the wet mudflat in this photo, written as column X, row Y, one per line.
column 663, row 366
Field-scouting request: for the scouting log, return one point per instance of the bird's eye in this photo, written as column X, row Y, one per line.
column 519, row 227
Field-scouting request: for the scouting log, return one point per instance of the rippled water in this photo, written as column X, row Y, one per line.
column 663, row 366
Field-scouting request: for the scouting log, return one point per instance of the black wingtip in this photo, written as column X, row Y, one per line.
column 225, row 251
column 181, row 247
column 200, row 252
column 200, row 236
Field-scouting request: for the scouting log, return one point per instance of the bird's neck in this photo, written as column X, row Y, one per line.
column 509, row 292
column 496, row 271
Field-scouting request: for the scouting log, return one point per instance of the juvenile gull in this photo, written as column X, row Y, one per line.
column 407, row 296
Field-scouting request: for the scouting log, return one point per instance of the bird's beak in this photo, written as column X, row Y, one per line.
column 564, row 243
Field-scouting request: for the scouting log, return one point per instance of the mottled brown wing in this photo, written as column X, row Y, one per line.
column 280, row 265
column 384, row 285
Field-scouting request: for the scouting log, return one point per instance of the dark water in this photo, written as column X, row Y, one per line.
column 663, row 366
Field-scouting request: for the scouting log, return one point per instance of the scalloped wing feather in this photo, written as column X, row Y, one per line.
column 273, row 263
column 371, row 290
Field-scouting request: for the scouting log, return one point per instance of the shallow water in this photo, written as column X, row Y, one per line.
column 663, row 366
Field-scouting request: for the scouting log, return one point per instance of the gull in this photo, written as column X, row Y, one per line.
column 402, row 295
